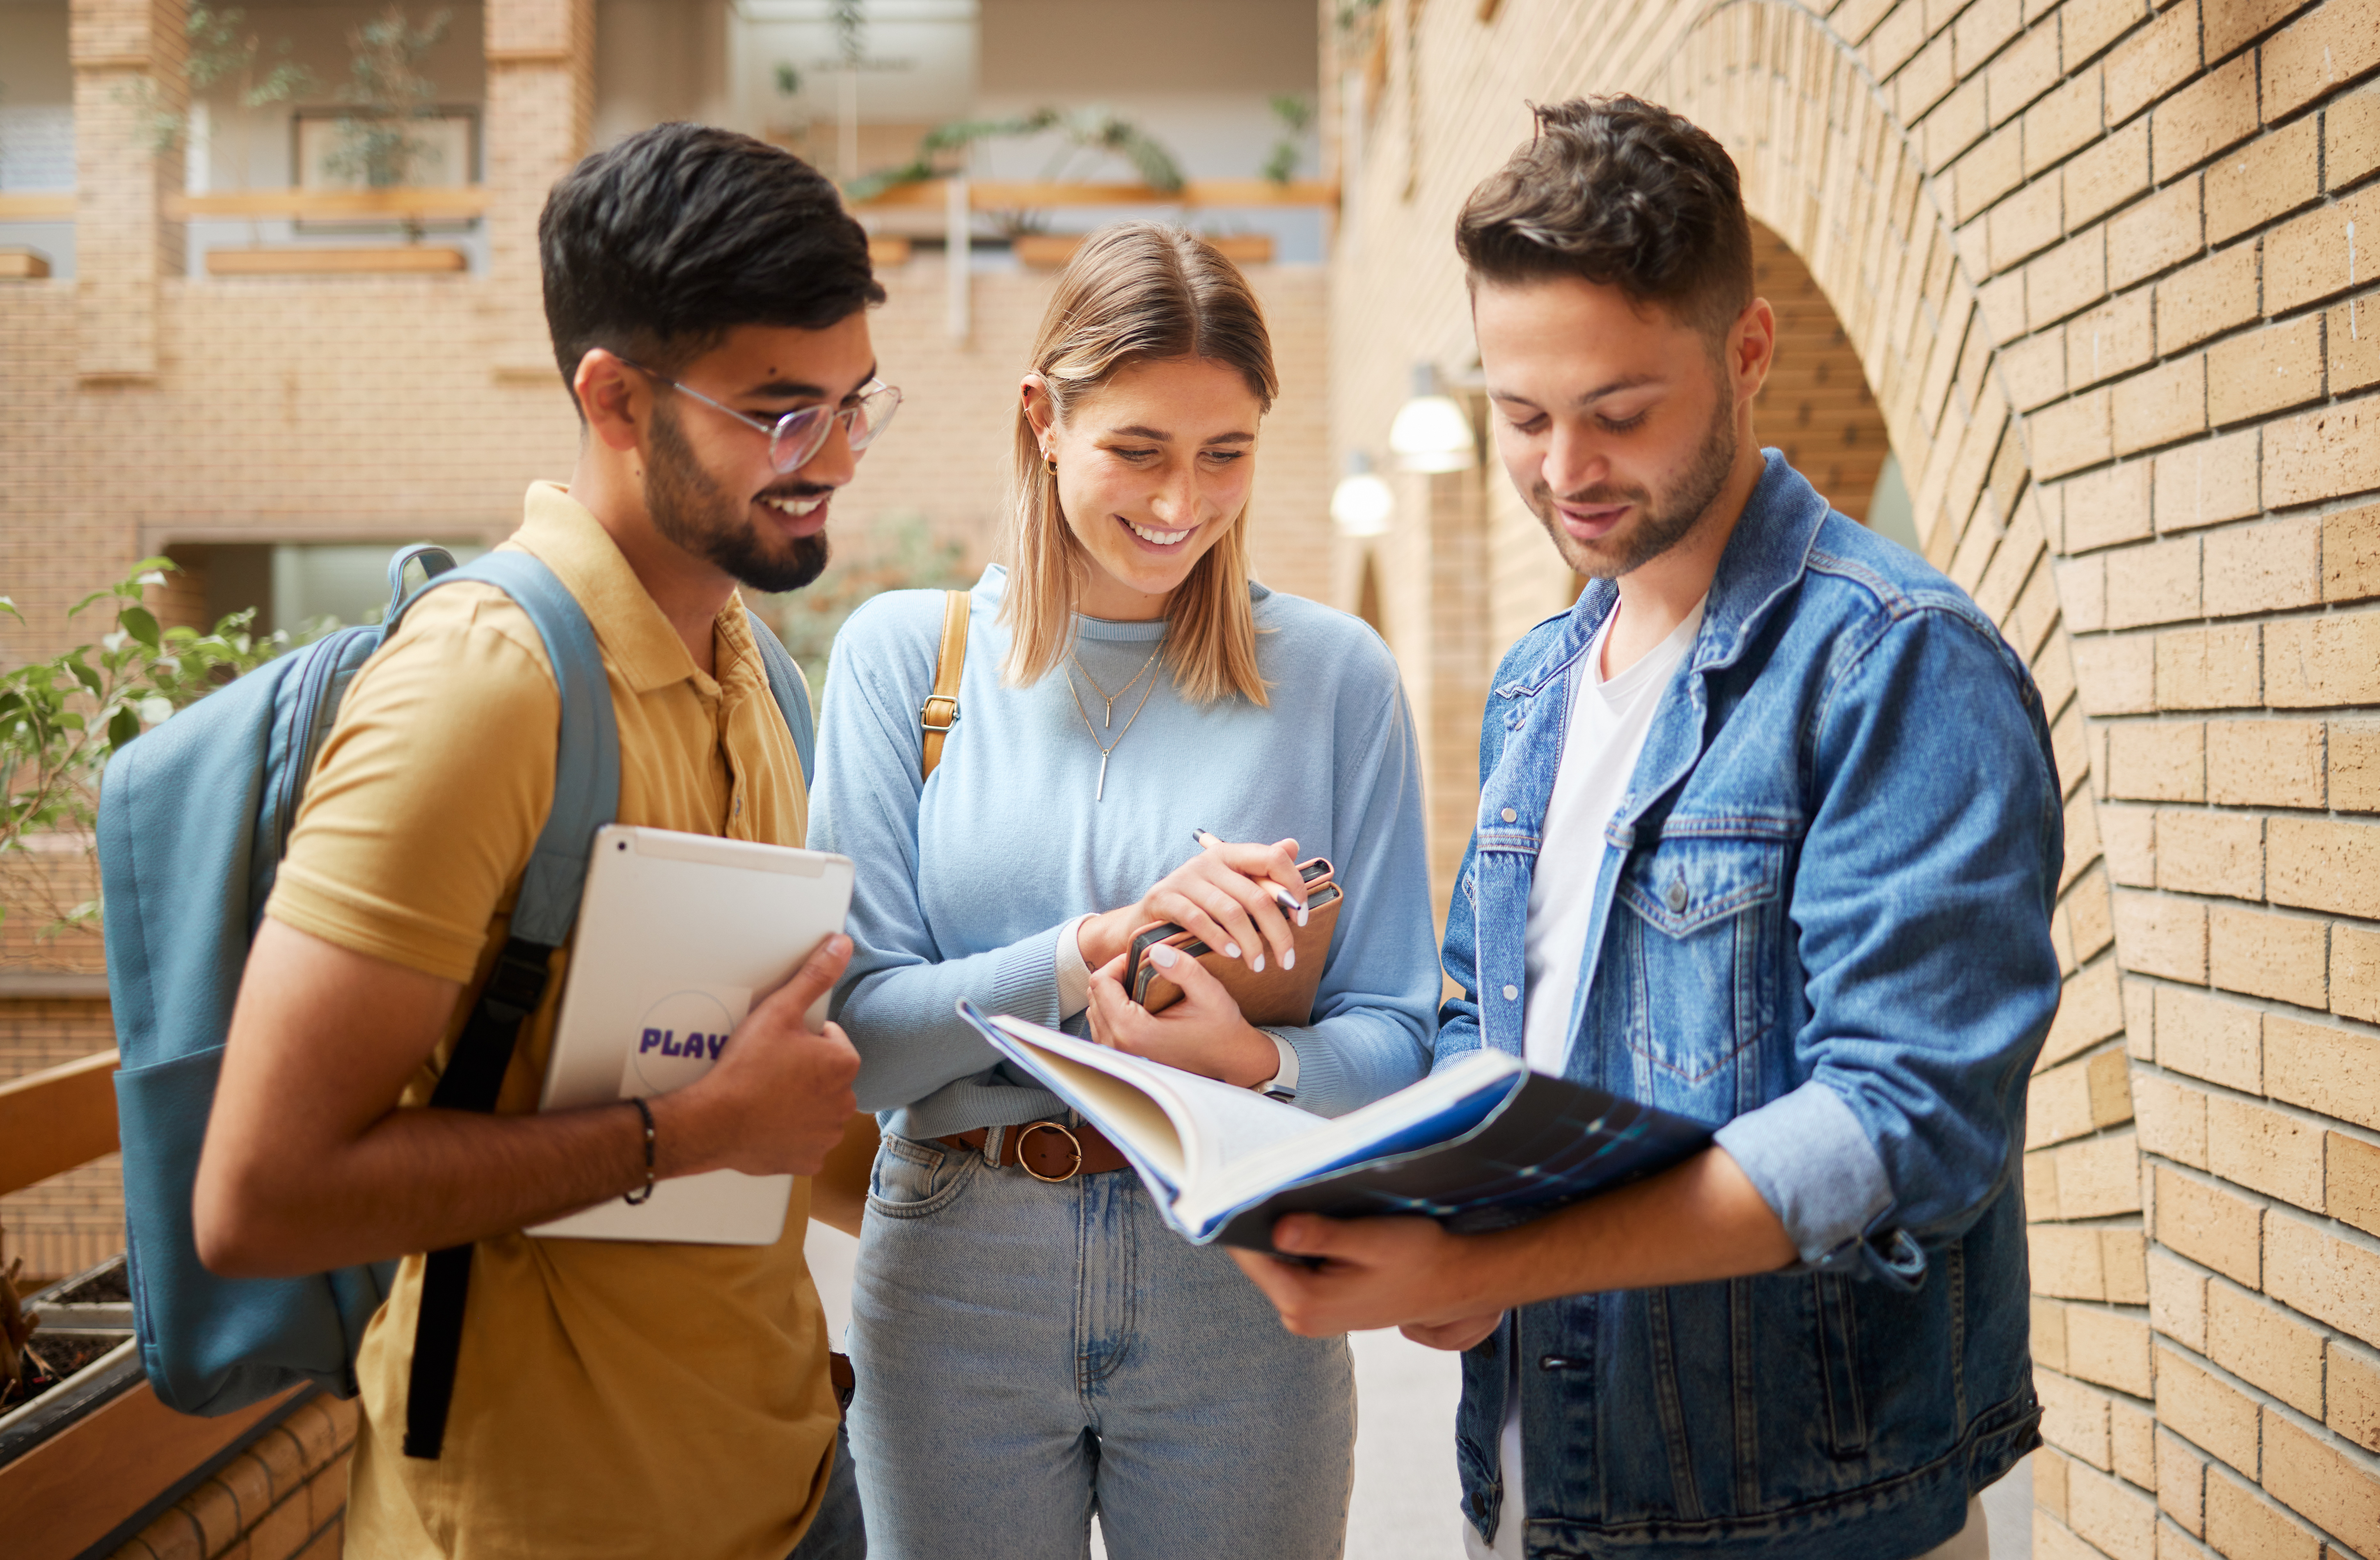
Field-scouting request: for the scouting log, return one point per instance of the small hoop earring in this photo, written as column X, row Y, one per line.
column 1052, row 462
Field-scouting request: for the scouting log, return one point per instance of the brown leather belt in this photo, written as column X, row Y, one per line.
column 1048, row 1150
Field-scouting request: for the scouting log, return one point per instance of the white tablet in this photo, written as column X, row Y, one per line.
column 677, row 935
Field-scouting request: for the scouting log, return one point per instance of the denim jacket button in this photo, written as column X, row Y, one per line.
column 1511, row 993
column 1677, row 895
column 1509, row 815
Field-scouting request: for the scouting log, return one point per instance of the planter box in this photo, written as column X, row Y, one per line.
column 1046, row 251
column 888, row 250
column 413, row 260
column 19, row 264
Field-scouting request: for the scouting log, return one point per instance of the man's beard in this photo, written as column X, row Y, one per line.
column 698, row 514
column 1656, row 529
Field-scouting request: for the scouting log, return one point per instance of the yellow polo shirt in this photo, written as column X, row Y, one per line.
column 612, row 1398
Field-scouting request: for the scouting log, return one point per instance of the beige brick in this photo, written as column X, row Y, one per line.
column 2236, row 22
column 2240, row 1522
column 2152, row 62
column 2313, row 256
column 2181, row 1483
column 2262, row 179
column 2178, row 1299
column 2265, row 763
column 2268, row 567
column 1985, row 26
column 2035, row 367
column 2263, row 371
column 2172, row 1118
column 2061, row 124
column 2350, row 138
column 2068, row 436
column 2279, row 956
column 2162, row 936
column 2090, row 1011
column 1924, row 80
column 2208, row 481
column 1955, row 124
column 2079, row 1097
column 2123, row 1257
column 2201, row 299
column 2049, row 1333
column 2330, row 46
column 2091, row 25
column 2355, row 972
column 2352, row 1393
column 2351, row 1182
column 2210, row 1226
column 2210, row 1037
column 2206, row 1410
column 2065, row 1260
column 2120, row 1522
column 2112, row 339
column 2210, row 853
column 2332, row 1280
column 2216, row 111
column 2099, row 1176
column 2351, row 554
column 2317, row 661
column 2354, row 766
column 2106, row 173
column 2322, row 864
column 2323, row 1067
column 2166, row 403
column 2052, row 1540
column 2272, row 1152
column 2322, row 1483
column 2155, row 583
column 2352, row 336
column 2107, row 506
column 2092, row 914
column 2162, row 760
column 2073, row 1417
column 2110, row 1347
column 2041, row 1194
column 2023, row 224
column 2163, row 230
column 1985, row 172
column 2129, row 835
column 2209, row 668
column 2131, row 1437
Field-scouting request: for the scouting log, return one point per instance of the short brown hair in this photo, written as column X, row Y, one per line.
column 1138, row 292
column 1624, row 194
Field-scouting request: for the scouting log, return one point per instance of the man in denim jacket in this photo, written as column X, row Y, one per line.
column 1768, row 834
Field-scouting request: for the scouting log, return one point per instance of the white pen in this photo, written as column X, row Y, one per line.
column 1281, row 896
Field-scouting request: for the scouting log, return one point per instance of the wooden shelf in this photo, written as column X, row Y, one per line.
column 23, row 265
column 999, row 195
column 47, row 206
column 328, row 204
column 411, row 261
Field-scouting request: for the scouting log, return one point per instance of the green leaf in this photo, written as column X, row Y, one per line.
column 139, row 622
column 82, row 674
column 123, row 726
column 9, row 605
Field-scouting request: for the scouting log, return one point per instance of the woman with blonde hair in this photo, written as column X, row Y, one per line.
column 1033, row 1344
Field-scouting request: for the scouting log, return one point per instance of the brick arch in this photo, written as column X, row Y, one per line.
column 1830, row 168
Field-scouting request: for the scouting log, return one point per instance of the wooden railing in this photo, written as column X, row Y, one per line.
column 1001, row 195
column 54, row 1120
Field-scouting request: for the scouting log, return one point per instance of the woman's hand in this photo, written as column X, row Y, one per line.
column 1202, row 1034
column 1223, row 896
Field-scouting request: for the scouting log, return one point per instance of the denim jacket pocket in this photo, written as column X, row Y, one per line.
column 1701, row 947
column 912, row 1180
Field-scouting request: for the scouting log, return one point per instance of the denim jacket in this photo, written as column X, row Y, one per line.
column 1821, row 924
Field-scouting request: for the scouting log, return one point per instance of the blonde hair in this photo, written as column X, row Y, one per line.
column 1134, row 293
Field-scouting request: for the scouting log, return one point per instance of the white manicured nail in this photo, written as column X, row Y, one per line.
column 1231, row 950
column 1259, row 966
column 1162, row 956
column 1289, row 959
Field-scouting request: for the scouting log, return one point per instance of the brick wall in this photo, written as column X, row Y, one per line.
column 2093, row 259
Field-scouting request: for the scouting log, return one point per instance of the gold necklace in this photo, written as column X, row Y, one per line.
column 1120, row 692
column 1100, row 795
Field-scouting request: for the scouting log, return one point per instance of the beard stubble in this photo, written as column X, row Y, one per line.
column 702, row 516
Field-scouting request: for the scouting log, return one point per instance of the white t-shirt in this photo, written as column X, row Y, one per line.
column 1608, row 723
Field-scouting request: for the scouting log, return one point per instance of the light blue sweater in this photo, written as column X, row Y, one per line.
column 964, row 883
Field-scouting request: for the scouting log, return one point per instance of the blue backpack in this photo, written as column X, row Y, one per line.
column 193, row 820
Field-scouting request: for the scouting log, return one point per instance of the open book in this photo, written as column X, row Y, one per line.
column 1479, row 1144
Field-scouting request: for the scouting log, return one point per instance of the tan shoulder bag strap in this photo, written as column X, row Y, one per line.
column 942, row 711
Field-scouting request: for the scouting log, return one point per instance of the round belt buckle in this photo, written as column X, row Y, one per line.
column 1072, row 1141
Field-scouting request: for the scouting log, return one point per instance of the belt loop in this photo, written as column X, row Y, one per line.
column 991, row 1138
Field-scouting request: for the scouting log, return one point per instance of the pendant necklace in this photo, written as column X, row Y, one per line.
column 1111, row 697
column 1100, row 795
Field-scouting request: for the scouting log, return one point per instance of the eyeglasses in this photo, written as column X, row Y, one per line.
column 798, row 435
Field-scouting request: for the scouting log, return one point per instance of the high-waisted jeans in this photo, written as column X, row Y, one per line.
column 1030, row 1353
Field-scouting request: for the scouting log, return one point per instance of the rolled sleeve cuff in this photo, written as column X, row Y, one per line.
column 1024, row 978
column 1074, row 975
column 1814, row 1165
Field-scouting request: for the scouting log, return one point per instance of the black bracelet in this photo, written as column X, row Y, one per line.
column 637, row 1198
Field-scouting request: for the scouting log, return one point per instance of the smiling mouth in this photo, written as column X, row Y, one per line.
column 797, row 507
column 1590, row 522
column 1155, row 538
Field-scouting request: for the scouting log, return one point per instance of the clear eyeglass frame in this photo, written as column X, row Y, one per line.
column 795, row 438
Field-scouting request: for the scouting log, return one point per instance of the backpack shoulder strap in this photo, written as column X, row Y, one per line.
column 942, row 708
column 586, row 797
column 793, row 691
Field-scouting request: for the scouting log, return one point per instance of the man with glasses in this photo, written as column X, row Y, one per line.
column 707, row 299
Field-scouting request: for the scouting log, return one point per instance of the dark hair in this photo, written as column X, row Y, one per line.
column 658, row 246
column 1622, row 193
